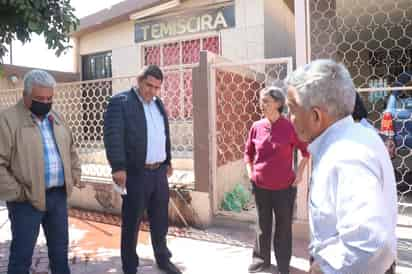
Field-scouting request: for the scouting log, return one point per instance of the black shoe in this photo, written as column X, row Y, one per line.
column 285, row 271
column 169, row 267
column 258, row 266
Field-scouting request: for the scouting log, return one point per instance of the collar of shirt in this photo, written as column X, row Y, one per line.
column 141, row 98
column 269, row 124
column 366, row 124
column 319, row 143
column 37, row 119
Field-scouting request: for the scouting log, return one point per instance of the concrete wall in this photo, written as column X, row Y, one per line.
column 279, row 29
column 246, row 40
column 119, row 39
column 114, row 37
column 126, row 61
column 6, row 84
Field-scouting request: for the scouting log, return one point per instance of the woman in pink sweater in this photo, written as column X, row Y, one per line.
column 269, row 162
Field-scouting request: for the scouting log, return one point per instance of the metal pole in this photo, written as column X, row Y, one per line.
column 11, row 53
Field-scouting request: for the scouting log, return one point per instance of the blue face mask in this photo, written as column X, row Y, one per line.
column 40, row 108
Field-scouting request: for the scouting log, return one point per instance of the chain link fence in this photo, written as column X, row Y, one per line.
column 82, row 104
column 236, row 90
column 373, row 39
column 398, row 102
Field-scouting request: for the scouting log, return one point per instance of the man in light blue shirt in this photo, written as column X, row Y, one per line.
column 156, row 137
column 138, row 148
column 352, row 201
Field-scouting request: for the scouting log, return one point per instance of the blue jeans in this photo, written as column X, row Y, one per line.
column 25, row 225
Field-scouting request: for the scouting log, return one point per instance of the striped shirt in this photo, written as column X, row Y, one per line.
column 53, row 165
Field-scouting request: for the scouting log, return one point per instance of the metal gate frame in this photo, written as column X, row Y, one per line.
column 215, row 65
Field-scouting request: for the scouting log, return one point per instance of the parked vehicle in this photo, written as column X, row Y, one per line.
column 396, row 131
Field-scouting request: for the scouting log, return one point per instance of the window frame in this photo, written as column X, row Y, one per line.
column 89, row 70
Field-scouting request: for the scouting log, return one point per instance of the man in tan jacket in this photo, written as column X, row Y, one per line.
column 38, row 168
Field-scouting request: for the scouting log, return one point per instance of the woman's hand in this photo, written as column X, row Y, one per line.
column 249, row 170
column 301, row 168
column 297, row 181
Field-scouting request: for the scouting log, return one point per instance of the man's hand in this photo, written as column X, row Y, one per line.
column 79, row 184
column 315, row 268
column 119, row 177
column 169, row 171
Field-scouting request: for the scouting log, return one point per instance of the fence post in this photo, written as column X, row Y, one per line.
column 202, row 145
column 201, row 121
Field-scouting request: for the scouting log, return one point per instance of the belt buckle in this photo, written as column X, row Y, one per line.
column 152, row 166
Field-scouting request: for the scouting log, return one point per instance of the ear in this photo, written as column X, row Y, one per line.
column 317, row 114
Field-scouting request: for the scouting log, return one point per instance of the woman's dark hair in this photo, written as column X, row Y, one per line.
column 359, row 111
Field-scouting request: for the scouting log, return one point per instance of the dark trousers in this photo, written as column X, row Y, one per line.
column 279, row 202
column 392, row 269
column 25, row 225
column 148, row 190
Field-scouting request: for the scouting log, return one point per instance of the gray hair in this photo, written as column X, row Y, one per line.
column 276, row 93
column 325, row 83
column 37, row 77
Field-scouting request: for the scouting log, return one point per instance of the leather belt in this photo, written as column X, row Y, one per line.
column 56, row 188
column 152, row 166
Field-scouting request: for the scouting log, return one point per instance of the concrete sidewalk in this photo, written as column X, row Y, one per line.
column 94, row 248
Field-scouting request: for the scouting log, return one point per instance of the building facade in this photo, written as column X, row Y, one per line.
column 372, row 38
column 121, row 41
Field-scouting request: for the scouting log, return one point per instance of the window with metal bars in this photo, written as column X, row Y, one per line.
column 97, row 66
column 180, row 52
column 176, row 60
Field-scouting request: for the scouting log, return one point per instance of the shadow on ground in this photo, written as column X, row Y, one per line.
column 405, row 252
column 79, row 264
